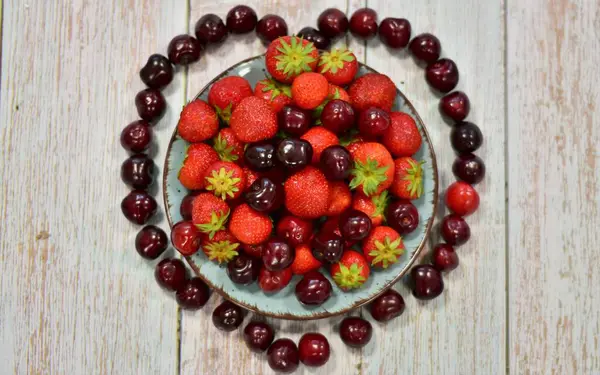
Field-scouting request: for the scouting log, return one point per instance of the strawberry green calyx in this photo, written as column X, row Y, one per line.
column 414, row 176
column 216, row 223
column 276, row 88
column 222, row 183
column 225, row 113
column 224, row 150
column 349, row 138
column 221, row 251
column 369, row 175
column 381, row 202
column 387, row 252
column 295, row 58
column 335, row 59
column 349, row 277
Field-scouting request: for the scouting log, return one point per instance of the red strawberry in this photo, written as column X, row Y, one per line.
column 197, row 122
column 340, row 198
column 304, row 261
column 198, row 158
column 309, row 90
column 225, row 179
column 251, row 176
column 374, row 206
column 339, row 66
column 253, row 250
column 351, row 272
column 227, row 93
column 383, row 247
column 373, row 170
column 408, row 178
column 273, row 281
column 253, row 120
column 289, row 56
column 209, row 214
column 249, row 226
column 228, row 146
column 277, row 94
column 373, row 90
column 222, row 248
column 335, row 92
column 307, row 193
column 320, row 138
column 402, row 137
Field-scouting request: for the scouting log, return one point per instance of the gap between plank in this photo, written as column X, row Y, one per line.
column 506, row 206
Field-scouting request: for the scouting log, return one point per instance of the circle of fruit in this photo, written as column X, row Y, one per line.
column 346, row 157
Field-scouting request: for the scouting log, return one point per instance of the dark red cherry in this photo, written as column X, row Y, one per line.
column 327, row 247
column 151, row 242
column 158, row 72
column 363, row 23
column 138, row 207
column 455, row 105
column 387, row 306
column 258, row 336
column 427, row 282
column 227, row 316
column 465, row 137
column 355, row 225
column 137, row 171
column 402, row 216
column 283, row 356
column 426, row 47
column 338, row 116
column 333, row 23
column 184, row 49
column 314, row 349
column 274, row 281
column 293, row 120
column 260, row 156
column 316, row 37
column 294, row 154
column 294, row 231
column 150, row 104
column 444, row 258
column 186, row 206
column 394, row 32
column 241, row 19
column 455, row 230
column 170, row 274
column 243, row 269
column 336, row 162
column 193, row 294
column 210, row 29
column 136, row 136
column 186, row 238
column 277, row 255
column 271, row 27
column 264, row 195
column 356, row 332
column 442, row 75
column 469, row 168
column 313, row 289
column 373, row 122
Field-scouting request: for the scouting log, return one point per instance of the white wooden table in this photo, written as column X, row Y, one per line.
column 75, row 297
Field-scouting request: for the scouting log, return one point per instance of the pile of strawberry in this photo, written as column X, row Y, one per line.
column 296, row 176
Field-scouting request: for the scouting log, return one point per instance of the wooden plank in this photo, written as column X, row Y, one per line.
column 463, row 332
column 204, row 349
column 77, row 299
column 554, row 190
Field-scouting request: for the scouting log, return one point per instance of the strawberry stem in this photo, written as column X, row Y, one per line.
column 223, row 184
column 368, row 175
column 387, row 252
column 221, row 251
column 216, row 223
column 349, row 277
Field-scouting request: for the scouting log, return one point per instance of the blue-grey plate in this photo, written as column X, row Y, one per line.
column 284, row 304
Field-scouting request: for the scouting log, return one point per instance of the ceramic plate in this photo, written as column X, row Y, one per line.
column 284, row 303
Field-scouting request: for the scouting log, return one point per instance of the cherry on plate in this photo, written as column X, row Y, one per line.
column 373, row 122
column 264, row 195
column 293, row 120
column 355, row 225
column 336, row 163
column 402, row 216
column 243, row 269
column 294, row 230
column 314, row 289
column 277, row 255
column 338, row 116
column 186, row 238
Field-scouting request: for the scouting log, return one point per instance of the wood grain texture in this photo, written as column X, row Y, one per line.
column 464, row 331
column 76, row 297
column 554, row 190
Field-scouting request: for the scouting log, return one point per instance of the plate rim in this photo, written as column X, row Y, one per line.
column 325, row 314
